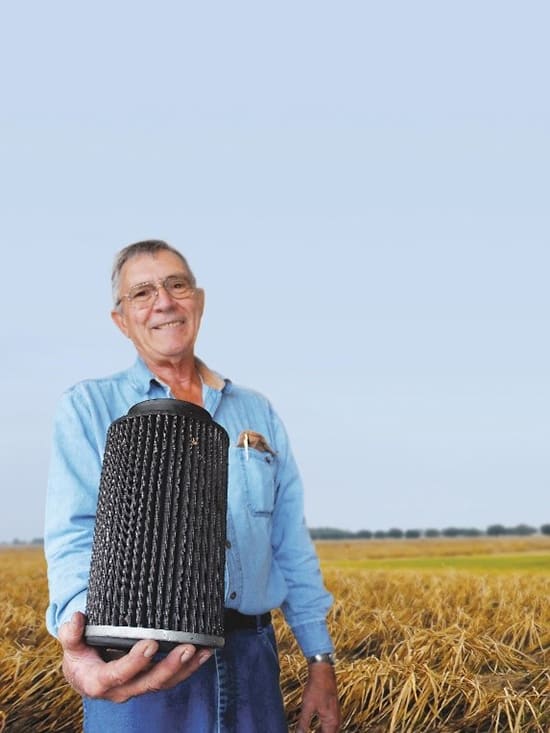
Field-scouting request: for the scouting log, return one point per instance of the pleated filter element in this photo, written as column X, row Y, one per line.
column 158, row 555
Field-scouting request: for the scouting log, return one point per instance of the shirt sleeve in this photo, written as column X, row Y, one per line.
column 75, row 469
column 307, row 602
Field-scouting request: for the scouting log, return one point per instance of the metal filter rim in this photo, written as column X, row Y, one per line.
column 100, row 635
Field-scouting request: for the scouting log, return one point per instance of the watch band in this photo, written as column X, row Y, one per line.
column 326, row 657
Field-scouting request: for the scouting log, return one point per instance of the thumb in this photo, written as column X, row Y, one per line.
column 71, row 633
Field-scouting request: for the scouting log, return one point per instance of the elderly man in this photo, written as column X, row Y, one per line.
column 270, row 561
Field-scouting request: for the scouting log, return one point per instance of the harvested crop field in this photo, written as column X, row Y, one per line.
column 427, row 642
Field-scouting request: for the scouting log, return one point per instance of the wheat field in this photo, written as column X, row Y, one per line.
column 419, row 651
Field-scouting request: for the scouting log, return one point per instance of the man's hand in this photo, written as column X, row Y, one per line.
column 321, row 698
column 131, row 675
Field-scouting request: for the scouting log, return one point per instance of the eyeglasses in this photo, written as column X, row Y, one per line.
column 142, row 295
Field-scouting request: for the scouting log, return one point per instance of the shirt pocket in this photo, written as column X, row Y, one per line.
column 255, row 471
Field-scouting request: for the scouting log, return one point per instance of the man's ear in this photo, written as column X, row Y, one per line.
column 200, row 297
column 120, row 321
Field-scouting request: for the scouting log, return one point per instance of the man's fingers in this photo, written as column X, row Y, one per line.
column 304, row 720
column 179, row 664
column 121, row 671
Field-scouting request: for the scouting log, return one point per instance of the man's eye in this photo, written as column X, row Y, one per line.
column 141, row 293
column 179, row 285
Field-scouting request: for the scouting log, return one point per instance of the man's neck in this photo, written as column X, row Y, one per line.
column 181, row 377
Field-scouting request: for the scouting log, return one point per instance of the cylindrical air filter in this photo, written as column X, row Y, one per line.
column 158, row 555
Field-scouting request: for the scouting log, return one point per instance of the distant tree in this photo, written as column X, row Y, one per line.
column 472, row 532
column 413, row 534
column 523, row 530
column 37, row 541
column 451, row 532
column 545, row 529
column 364, row 534
column 432, row 532
column 380, row 534
column 330, row 533
column 496, row 530
column 395, row 533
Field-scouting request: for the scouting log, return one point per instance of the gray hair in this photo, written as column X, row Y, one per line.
column 145, row 247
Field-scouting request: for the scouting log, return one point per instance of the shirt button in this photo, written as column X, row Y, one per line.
column 228, row 544
column 233, row 595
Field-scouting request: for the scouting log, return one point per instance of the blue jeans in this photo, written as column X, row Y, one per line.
column 236, row 691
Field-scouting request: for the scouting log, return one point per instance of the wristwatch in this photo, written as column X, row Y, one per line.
column 326, row 657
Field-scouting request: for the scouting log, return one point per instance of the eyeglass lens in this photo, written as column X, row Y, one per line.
column 176, row 286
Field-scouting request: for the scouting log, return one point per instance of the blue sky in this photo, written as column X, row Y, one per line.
column 362, row 189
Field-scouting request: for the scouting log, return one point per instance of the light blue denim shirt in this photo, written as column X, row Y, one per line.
column 270, row 560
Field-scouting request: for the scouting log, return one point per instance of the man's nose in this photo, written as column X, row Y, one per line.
column 163, row 299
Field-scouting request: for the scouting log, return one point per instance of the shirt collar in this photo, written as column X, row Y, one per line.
column 141, row 376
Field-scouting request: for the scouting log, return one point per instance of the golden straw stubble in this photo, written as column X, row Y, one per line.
column 418, row 651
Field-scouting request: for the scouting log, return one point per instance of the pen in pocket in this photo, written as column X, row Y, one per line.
column 252, row 439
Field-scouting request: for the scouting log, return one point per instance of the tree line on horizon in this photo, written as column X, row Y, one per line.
column 394, row 533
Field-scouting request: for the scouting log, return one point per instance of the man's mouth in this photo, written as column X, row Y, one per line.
column 169, row 324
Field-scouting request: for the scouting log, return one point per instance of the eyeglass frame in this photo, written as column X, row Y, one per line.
column 156, row 284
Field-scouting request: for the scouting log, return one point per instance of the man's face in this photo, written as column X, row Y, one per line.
column 165, row 331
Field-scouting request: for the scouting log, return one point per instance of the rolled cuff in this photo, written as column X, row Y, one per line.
column 55, row 616
column 313, row 638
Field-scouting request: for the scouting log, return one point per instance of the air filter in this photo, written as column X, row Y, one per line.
column 158, row 555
